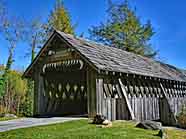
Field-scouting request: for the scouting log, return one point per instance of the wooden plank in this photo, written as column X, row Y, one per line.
column 144, row 107
column 119, row 91
column 113, row 109
column 109, row 108
column 99, row 96
column 107, row 91
column 168, row 109
column 142, row 110
column 139, row 108
column 126, row 99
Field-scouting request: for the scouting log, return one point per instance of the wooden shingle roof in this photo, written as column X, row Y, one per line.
column 117, row 60
column 114, row 59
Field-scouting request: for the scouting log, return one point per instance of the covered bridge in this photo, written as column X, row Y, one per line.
column 74, row 76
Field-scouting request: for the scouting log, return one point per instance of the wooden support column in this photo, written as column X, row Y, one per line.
column 38, row 94
column 99, row 96
column 91, row 93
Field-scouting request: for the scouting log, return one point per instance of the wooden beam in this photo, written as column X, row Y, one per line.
column 126, row 99
column 106, row 90
column 99, row 96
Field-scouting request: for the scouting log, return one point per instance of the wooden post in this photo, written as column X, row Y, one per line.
column 99, row 96
column 91, row 93
column 38, row 94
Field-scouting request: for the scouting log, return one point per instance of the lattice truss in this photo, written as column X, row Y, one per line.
column 136, row 87
column 64, row 90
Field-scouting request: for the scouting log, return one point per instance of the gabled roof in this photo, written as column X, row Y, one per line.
column 113, row 59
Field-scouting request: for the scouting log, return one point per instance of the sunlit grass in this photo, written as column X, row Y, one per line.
column 81, row 130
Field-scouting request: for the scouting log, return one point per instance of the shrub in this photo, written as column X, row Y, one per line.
column 26, row 108
column 181, row 117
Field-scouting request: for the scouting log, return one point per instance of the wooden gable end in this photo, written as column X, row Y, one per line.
column 57, row 50
column 56, row 53
column 61, row 57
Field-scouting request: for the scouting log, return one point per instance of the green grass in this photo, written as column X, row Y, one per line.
column 81, row 130
column 175, row 134
column 5, row 118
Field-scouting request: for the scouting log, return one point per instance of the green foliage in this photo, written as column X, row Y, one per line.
column 13, row 89
column 16, row 91
column 124, row 30
column 60, row 19
column 181, row 117
column 13, row 93
column 16, row 83
column 1, row 86
column 27, row 106
column 2, row 81
column 6, row 118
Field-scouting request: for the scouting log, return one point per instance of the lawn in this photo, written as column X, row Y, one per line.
column 5, row 118
column 81, row 130
column 176, row 134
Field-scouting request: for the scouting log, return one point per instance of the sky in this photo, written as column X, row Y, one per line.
column 168, row 19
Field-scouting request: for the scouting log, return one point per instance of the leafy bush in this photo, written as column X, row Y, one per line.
column 16, row 94
column 27, row 106
column 181, row 117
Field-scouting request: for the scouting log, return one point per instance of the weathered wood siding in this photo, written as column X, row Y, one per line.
column 60, row 82
column 109, row 108
column 141, row 98
column 145, row 108
column 176, row 104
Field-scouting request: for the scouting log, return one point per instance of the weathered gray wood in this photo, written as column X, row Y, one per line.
column 99, row 96
column 107, row 91
column 167, row 109
column 109, row 109
column 119, row 91
column 145, row 107
column 113, row 109
column 91, row 93
column 39, row 99
column 126, row 99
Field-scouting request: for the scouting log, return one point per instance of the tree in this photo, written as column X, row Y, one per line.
column 124, row 30
column 12, row 87
column 59, row 19
column 3, row 19
column 16, row 92
column 1, row 81
column 12, row 31
column 34, row 36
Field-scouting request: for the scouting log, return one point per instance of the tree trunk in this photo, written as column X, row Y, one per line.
column 18, row 105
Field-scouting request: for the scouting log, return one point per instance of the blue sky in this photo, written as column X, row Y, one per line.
column 168, row 18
